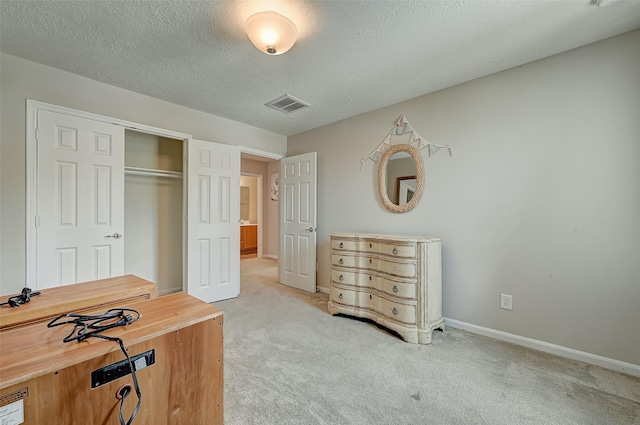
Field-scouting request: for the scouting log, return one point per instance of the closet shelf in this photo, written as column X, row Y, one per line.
column 151, row 172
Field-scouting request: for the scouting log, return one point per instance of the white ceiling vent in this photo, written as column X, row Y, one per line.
column 287, row 104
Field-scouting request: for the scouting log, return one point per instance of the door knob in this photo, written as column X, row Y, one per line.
column 310, row 229
column 114, row 236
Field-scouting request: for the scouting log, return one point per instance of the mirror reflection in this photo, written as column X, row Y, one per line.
column 401, row 178
column 396, row 188
column 245, row 195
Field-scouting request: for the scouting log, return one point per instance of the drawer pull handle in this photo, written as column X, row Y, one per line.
column 394, row 311
column 341, row 245
column 370, row 296
column 341, row 278
column 340, row 296
column 370, row 261
column 370, row 245
column 341, row 261
column 395, row 251
column 370, row 278
column 395, row 288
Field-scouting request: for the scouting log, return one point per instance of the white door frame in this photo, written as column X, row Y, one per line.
column 33, row 107
column 273, row 157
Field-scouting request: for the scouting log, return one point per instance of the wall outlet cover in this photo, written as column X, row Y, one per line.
column 506, row 301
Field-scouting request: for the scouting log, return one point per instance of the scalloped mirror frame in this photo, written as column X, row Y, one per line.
column 382, row 178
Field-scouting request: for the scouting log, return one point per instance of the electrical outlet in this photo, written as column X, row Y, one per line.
column 506, row 301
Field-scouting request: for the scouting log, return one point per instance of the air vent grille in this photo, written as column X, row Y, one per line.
column 287, row 104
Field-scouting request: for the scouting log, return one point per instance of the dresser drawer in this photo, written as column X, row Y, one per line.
column 406, row 250
column 343, row 296
column 358, row 262
column 367, row 300
column 397, row 268
column 369, row 246
column 397, row 289
column 395, row 281
column 399, row 312
column 354, row 278
column 345, row 245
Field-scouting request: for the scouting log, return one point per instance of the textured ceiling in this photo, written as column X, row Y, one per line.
column 351, row 56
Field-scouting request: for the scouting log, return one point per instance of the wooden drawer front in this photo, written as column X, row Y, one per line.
column 365, row 246
column 345, row 245
column 369, row 246
column 404, row 313
column 397, row 268
column 343, row 296
column 397, row 289
column 367, row 300
column 354, row 278
column 343, row 277
column 370, row 263
column 403, row 251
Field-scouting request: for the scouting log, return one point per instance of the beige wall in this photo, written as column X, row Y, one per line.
column 272, row 247
column 21, row 80
column 541, row 199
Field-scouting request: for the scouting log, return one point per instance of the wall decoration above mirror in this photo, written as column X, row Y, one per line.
column 407, row 197
column 402, row 185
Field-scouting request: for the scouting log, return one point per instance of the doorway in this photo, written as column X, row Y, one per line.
column 251, row 220
column 260, row 166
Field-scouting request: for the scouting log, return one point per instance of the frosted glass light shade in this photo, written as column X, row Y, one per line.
column 271, row 32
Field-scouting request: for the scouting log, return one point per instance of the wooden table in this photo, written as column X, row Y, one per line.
column 53, row 302
column 51, row 379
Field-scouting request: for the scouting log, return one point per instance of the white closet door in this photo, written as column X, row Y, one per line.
column 213, row 245
column 80, row 200
column 297, row 261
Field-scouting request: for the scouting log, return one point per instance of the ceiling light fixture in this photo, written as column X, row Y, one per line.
column 271, row 32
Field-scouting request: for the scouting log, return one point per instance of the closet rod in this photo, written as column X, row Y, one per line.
column 151, row 172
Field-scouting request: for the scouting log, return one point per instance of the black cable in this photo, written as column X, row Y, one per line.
column 87, row 326
column 24, row 297
column 135, row 381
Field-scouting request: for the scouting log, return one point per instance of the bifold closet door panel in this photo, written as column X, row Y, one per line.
column 78, row 201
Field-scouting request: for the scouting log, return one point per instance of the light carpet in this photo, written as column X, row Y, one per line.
column 287, row 361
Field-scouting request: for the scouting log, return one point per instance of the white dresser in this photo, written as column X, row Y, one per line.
column 396, row 281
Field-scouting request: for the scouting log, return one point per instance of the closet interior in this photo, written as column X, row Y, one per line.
column 154, row 206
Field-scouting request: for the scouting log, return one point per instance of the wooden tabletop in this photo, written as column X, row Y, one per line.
column 73, row 298
column 34, row 350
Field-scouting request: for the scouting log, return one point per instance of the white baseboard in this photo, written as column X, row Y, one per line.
column 558, row 350
column 273, row 257
column 325, row 290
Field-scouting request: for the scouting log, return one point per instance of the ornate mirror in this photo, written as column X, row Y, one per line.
column 401, row 178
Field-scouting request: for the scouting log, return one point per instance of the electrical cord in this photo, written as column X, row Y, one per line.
column 24, row 297
column 87, row 326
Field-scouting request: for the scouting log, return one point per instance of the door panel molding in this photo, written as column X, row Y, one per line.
column 213, row 222
column 298, row 233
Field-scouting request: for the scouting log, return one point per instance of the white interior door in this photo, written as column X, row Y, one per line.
column 80, row 200
column 213, row 225
column 297, row 260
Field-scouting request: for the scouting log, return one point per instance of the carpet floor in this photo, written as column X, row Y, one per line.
column 287, row 361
